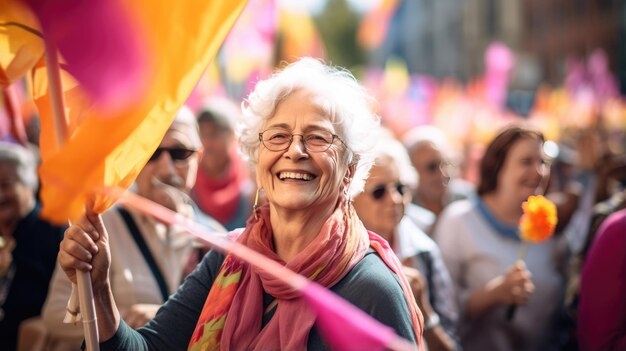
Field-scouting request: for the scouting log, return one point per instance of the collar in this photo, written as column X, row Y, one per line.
column 503, row 229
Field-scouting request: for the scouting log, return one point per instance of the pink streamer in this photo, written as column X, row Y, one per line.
column 342, row 325
column 345, row 327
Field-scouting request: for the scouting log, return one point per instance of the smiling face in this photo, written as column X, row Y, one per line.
column 297, row 179
column 381, row 210
column 523, row 170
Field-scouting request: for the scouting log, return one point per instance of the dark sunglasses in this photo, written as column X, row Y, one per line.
column 176, row 153
column 378, row 192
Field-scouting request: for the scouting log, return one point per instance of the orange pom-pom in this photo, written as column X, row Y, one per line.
column 539, row 219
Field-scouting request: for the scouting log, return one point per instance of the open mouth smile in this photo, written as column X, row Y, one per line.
column 303, row 176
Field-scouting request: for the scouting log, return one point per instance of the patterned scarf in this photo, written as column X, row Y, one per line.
column 231, row 318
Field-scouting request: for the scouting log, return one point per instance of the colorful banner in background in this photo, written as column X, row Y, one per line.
column 246, row 57
column 267, row 33
column 109, row 149
column 248, row 52
column 375, row 24
column 299, row 35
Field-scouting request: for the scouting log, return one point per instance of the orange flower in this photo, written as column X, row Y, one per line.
column 539, row 219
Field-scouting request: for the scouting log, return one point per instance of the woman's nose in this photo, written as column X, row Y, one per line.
column 297, row 149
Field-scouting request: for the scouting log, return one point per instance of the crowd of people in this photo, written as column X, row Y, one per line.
column 385, row 221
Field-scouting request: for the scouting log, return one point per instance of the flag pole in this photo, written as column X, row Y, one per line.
column 85, row 292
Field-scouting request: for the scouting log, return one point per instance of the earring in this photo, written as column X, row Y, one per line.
column 346, row 188
column 347, row 203
column 256, row 206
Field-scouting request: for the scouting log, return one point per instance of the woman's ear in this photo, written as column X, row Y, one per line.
column 349, row 174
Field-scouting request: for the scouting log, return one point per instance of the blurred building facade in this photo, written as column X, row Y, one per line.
column 448, row 38
column 556, row 29
column 484, row 21
column 427, row 35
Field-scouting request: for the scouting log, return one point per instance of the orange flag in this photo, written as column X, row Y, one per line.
column 110, row 150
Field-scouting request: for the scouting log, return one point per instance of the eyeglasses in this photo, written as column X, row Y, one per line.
column 176, row 153
column 314, row 141
column 379, row 191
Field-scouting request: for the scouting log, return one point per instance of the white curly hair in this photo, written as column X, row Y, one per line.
column 346, row 103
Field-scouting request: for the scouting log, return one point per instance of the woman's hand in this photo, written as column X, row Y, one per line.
column 139, row 314
column 85, row 247
column 515, row 286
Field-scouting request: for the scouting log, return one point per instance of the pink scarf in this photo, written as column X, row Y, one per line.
column 232, row 315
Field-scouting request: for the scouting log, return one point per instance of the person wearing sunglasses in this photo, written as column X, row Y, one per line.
column 149, row 259
column 307, row 130
column 438, row 185
column 381, row 207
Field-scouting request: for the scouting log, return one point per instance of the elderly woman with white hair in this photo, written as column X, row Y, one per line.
column 148, row 258
column 382, row 208
column 308, row 130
